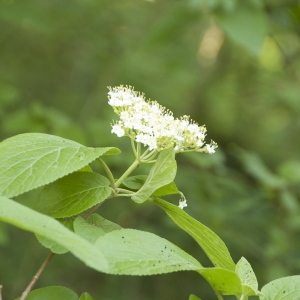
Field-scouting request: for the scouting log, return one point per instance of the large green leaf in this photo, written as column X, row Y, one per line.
column 223, row 280
column 247, row 277
column 30, row 160
column 247, row 26
column 73, row 194
column 212, row 245
column 134, row 252
column 23, row 217
column 52, row 293
column 162, row 173
column 52, row 245
column 287, row 288
column 93, row 227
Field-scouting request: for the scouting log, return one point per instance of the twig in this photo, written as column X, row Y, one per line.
column 88, row 213
column 36, row 277
column 0, row 292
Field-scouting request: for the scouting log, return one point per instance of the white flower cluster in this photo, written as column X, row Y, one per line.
column 151, row 124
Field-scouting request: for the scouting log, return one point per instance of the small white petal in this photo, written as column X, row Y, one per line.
column 182, row 204
column 118, row 130
column 210, row 149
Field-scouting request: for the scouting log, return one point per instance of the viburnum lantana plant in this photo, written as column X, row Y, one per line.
column 65, row 217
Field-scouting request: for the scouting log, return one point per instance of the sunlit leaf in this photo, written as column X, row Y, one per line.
column 93, row 227
column 212, row 245
column 30, row 160
column 223, row 280
column 247, row 277
column 25, row 218
column 286, row 288
column 162, row 173
column 52, row 245
column 133, row 252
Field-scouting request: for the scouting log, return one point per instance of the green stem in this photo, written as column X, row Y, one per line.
column 108, row 172
column 219, row 295
column 133, row 148
column 127, row 173
column 94, row 208
column 148, row 156
column 149, row 161
column 127, row 192
column 138, row 150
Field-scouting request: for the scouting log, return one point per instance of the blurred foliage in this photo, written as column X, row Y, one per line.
column 232, row 65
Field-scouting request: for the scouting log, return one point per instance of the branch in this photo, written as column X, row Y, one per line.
column 36, row 277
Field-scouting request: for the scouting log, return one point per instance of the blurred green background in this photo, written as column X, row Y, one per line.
column 232, row 65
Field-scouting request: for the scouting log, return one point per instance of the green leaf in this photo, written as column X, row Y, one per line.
column 223, row 280
column 52, row 245
column 104, row 224
column 86, row 296
column 30, row 160
column 162, row 173
column 134, row 252
column 286, row 288
column 193, row 297
column 247, row 277
column 247, row 26
column 51, row 293
column 86, row 230
column 70, row 195
column 212, row 245
column 25, row 218
column 86, row 169
column 169, row 189
column 135, row 182
column 93, row 227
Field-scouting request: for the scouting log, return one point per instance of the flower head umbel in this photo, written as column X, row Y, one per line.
column 152, row 125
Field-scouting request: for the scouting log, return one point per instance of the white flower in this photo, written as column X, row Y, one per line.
column 182, row 203
column 210, row 148
column 147, row 139
column 123, row 96
column 152, row 125
column 118, row 130
column 199, row 143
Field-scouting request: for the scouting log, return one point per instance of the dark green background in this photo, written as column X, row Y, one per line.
column 57, row 59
